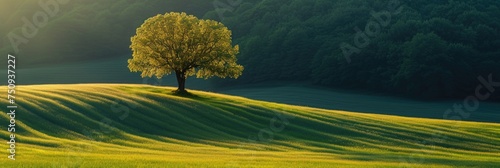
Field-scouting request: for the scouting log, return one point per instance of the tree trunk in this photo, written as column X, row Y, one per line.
column 181, row 81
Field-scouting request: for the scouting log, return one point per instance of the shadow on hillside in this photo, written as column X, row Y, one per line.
column 190, row 95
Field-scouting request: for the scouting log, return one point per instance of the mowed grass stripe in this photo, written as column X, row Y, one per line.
column 209, row 129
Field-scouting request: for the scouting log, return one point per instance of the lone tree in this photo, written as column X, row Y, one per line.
column 186, row 45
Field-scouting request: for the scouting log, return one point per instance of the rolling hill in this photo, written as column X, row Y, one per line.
column 125, row 125
column 304, row 94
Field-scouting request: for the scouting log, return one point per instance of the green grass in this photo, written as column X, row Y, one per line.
column 65, row 126
column 105, row 70
column 363, row 101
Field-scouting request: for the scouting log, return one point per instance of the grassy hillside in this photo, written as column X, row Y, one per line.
column 118, row 125
column 336, row 99
column 108, row 70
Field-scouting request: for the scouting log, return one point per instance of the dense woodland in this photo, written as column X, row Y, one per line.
column 426, row 49
column 431, row 49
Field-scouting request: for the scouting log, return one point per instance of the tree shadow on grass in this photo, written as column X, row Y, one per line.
column 185, row 94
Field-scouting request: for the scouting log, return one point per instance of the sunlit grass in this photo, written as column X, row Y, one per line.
column 121, row 125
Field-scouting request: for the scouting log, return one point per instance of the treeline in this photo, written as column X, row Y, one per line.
column 81, row 30
column 428, row 49
column 424, row 49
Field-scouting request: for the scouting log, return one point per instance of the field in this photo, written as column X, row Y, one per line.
column 362, row 101
column 125, row 125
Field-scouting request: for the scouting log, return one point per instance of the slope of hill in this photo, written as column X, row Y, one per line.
column 336, row 99
column 109, row 70
column 120, row 125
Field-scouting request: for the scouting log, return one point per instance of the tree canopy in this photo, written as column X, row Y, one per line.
column 428, row 49
column 185, row 45
column 294, row 40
